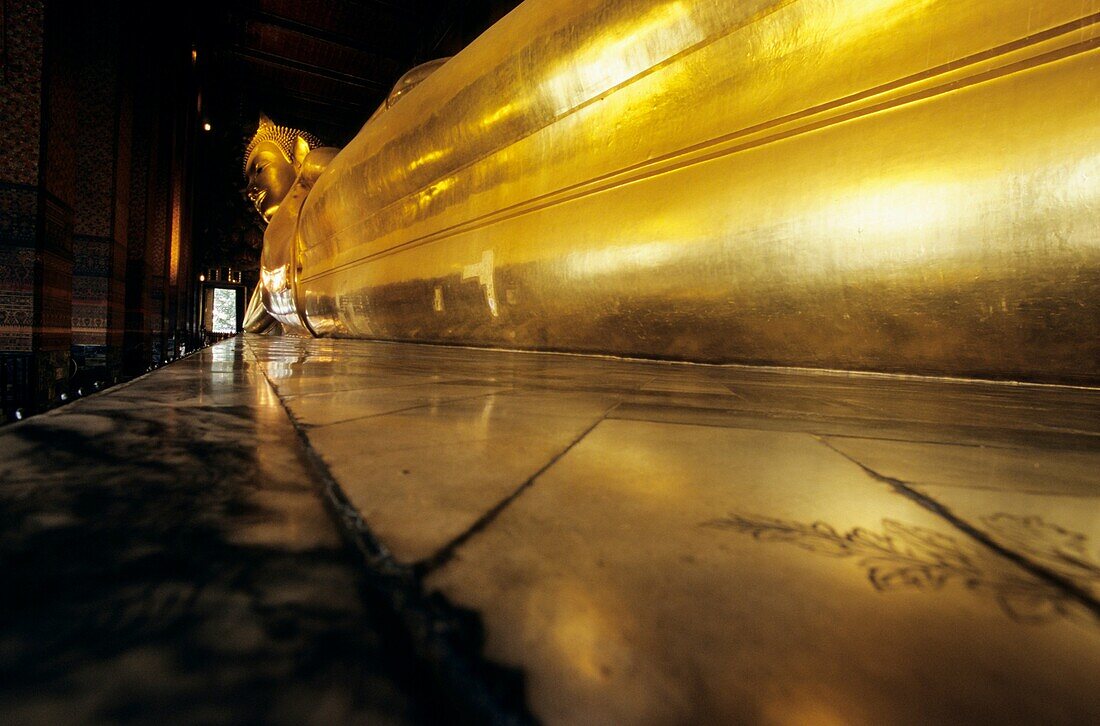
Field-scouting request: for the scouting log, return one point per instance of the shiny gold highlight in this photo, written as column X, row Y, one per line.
column 877, row 184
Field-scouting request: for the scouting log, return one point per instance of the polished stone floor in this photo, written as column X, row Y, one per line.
column 645, row 542
column 658, row 543
column 165, row 557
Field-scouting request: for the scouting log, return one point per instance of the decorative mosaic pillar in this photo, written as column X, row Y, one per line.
column 148, row 215
column 36, row 184
column 98, row 261
column 159, row 283
column 94, row 194
column 23, row 25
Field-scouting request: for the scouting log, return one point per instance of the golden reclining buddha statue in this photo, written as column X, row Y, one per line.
column 893, row 185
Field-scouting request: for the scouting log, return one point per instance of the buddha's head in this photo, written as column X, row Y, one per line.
column 271, row 163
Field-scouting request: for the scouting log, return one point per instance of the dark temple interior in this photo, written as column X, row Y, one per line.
column 645, row 362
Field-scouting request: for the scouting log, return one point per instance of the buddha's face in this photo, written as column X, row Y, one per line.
column 270, row 176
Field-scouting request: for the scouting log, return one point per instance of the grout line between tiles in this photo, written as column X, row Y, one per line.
column 1029, row 492
column 1071, row 588
column 446, row 639
column 444, row 555
column 1001, row 446
column 403, row 410
column 341, row 391
column 627, row 415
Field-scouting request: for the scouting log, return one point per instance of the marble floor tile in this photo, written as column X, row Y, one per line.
column 716, row 388
column 647, row 542
column 1035, row 470
column 1043, row 505
column 1059, row 535
column 824, row 415
column 172, row 561
column 291, row 384
column 679, row 574
column 322, row 409
column 422, row 477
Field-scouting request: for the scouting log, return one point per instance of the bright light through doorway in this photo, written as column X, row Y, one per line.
column 225, row 311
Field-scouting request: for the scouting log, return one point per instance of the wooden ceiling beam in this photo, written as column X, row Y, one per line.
column 388, row 48
column 309, row 69
column 316, row 101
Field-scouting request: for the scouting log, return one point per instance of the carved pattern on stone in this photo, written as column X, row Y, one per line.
column 902, row 556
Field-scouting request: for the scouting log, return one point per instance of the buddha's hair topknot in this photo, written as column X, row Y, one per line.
column 283, row 136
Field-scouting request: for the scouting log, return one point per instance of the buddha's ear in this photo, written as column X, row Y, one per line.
column 301, row 150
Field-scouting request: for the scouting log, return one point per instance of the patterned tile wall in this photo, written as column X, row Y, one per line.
column 18, row 215
column 91, row 286
column 93, row 200
column 96, row 92
column 20, row 91
column 16, row 299
column 54, row 279
column 89, row 198
column 20, row 117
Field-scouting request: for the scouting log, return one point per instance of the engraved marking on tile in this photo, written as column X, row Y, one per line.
column 903, row 556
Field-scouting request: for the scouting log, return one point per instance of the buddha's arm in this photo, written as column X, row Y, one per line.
column 278, row 261
column 314, row 164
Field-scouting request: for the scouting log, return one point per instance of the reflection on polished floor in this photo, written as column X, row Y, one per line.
column 666, row 543
column 662, row 543
column 165, row 557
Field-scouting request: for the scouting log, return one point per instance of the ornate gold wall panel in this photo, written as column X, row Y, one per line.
column 904, row 185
